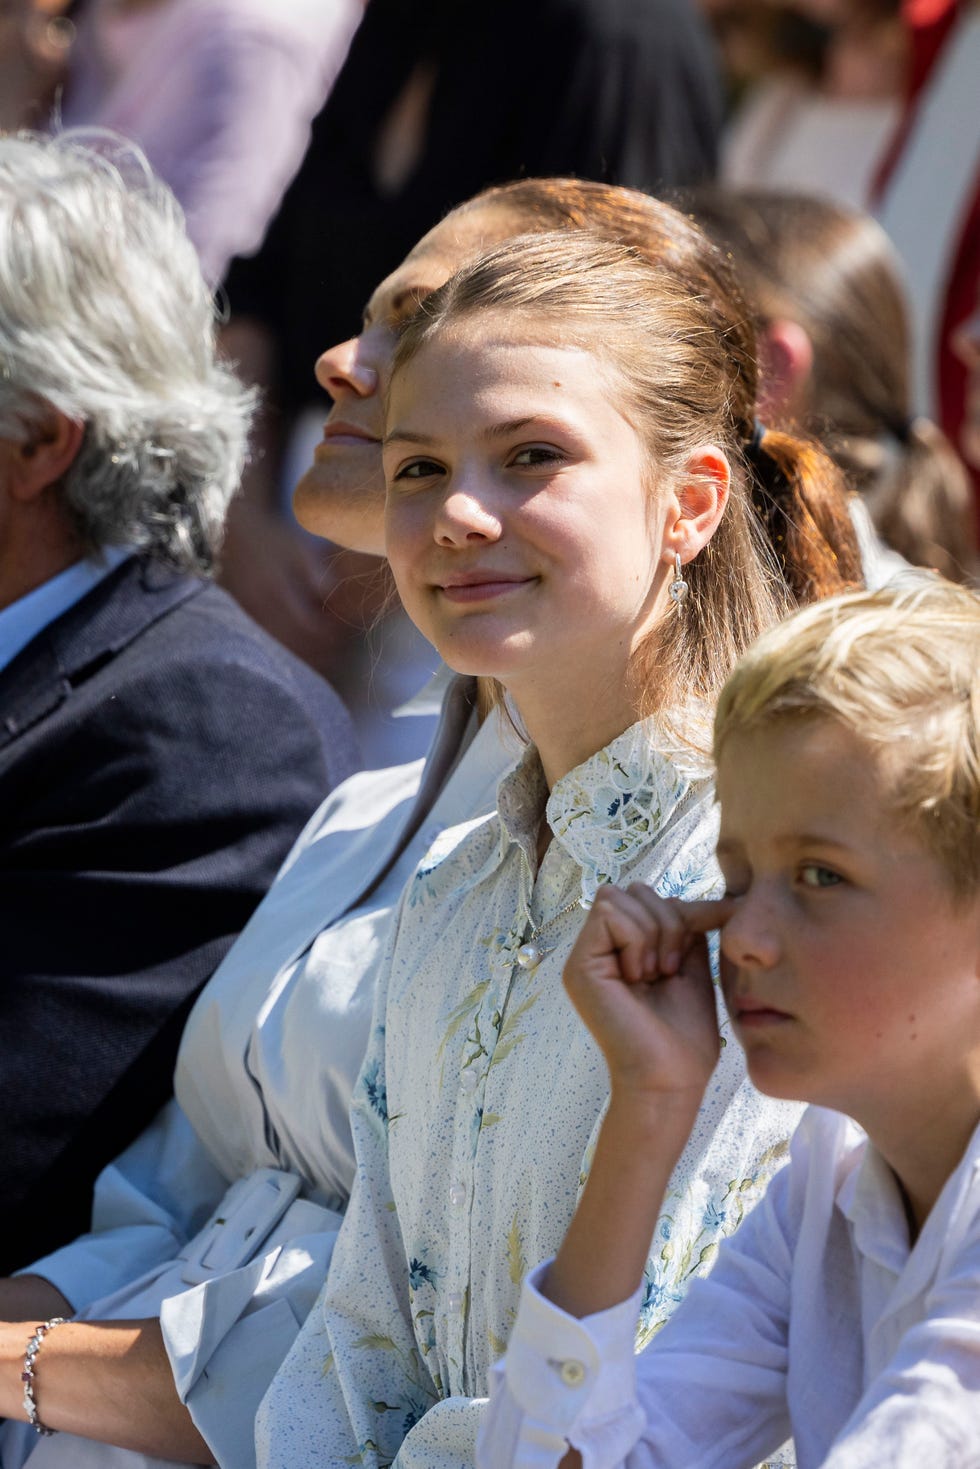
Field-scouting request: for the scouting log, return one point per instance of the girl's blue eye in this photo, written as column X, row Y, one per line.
column 813, row 875
column 536, row 454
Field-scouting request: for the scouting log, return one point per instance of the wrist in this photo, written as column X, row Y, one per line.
column 14, row 1336
column 654, row 1113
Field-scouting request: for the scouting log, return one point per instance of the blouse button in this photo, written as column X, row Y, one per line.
column 457, row 1194
column 468, row 1080
column 572, row 1373
column 455, row 1302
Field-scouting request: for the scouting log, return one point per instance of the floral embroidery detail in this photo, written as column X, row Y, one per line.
column 420, row 1273
column 635, row 787
column 372, row 1083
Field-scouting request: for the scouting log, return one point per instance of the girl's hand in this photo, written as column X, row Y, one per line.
column 639, row 977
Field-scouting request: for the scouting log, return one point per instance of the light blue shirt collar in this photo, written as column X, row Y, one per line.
column 25, row 618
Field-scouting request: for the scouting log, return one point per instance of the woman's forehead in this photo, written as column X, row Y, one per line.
column 447, row 247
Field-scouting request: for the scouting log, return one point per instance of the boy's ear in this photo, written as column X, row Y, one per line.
column 39, row 461
column 700, row 503
column 785, row 365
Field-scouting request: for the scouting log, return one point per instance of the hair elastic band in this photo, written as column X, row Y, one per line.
column 754, row 442
column 27, row 1375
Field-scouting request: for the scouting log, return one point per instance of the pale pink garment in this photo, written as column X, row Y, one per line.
column 219, row 94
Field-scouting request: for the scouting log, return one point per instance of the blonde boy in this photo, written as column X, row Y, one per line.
column 846, row 1310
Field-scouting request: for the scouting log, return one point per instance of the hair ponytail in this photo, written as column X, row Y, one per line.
column 918, row 496
column 798, row 495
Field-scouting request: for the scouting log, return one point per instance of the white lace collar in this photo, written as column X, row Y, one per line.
column 608, row 808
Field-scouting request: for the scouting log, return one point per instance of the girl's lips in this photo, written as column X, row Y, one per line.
column 480, row 590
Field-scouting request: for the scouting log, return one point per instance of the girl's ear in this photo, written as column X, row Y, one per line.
column 39, row 461
column 785, row 364
column 700, row 502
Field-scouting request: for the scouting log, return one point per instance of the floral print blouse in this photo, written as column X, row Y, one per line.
column 477, row 1109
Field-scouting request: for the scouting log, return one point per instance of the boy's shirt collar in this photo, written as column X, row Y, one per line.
column 871, row 1200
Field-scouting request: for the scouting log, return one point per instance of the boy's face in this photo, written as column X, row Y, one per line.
column 850, row 975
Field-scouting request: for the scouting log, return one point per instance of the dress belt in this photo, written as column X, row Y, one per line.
column 247, row 1214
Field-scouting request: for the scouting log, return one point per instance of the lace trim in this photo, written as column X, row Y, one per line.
column 615, row 803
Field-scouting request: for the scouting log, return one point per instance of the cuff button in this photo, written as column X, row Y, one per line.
column 572, row 1373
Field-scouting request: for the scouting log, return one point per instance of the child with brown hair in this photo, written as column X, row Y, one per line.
column 846, row 1309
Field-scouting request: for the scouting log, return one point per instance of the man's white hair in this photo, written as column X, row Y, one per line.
column 104, row 315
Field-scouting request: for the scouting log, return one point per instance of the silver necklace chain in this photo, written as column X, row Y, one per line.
column 531, row 952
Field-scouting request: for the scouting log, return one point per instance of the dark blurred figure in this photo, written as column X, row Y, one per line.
column 437, row 99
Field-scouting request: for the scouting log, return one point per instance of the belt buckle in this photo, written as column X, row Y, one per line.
column 248, row 1213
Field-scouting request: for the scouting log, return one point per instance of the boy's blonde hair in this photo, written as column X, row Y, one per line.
column 900, row 669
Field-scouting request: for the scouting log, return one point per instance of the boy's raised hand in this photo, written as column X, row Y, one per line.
column 639, row 977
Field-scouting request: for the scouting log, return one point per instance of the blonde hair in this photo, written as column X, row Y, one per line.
column 676, row 333
column 900, row 669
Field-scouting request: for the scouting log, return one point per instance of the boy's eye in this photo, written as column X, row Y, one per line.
column 814, row 875
column 536, row 454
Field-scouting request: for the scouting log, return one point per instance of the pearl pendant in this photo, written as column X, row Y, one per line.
column 529, row 955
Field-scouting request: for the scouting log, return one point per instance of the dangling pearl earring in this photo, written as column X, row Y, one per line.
column 679, row 590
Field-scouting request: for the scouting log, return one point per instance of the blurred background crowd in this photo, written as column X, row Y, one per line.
column 312, row 143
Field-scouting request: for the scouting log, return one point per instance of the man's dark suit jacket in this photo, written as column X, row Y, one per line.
column 158, row 754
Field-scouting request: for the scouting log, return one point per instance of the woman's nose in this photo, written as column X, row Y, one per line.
column 341, row 370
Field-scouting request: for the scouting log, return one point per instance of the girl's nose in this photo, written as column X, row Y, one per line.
column 465, row 517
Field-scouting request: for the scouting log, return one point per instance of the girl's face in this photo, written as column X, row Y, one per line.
column 852, row 978
column 524, row 535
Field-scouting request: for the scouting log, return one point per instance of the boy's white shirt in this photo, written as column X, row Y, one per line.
column 818, row 1320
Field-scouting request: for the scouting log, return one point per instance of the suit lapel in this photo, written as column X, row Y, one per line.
column 81, row 640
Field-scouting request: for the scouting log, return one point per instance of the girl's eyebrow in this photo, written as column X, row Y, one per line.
column 495, row 431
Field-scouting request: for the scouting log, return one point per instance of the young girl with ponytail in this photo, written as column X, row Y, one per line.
column 595, row 489
column 574, row 511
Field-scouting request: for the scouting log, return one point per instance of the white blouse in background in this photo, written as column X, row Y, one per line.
column 221, row 1217
column 477, row 1109
column 818, row 1319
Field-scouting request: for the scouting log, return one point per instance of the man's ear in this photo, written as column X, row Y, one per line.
column 700, row 502
column 47, row 453
column 785, row 365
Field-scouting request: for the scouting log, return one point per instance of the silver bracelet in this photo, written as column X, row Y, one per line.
column 27, row 1376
